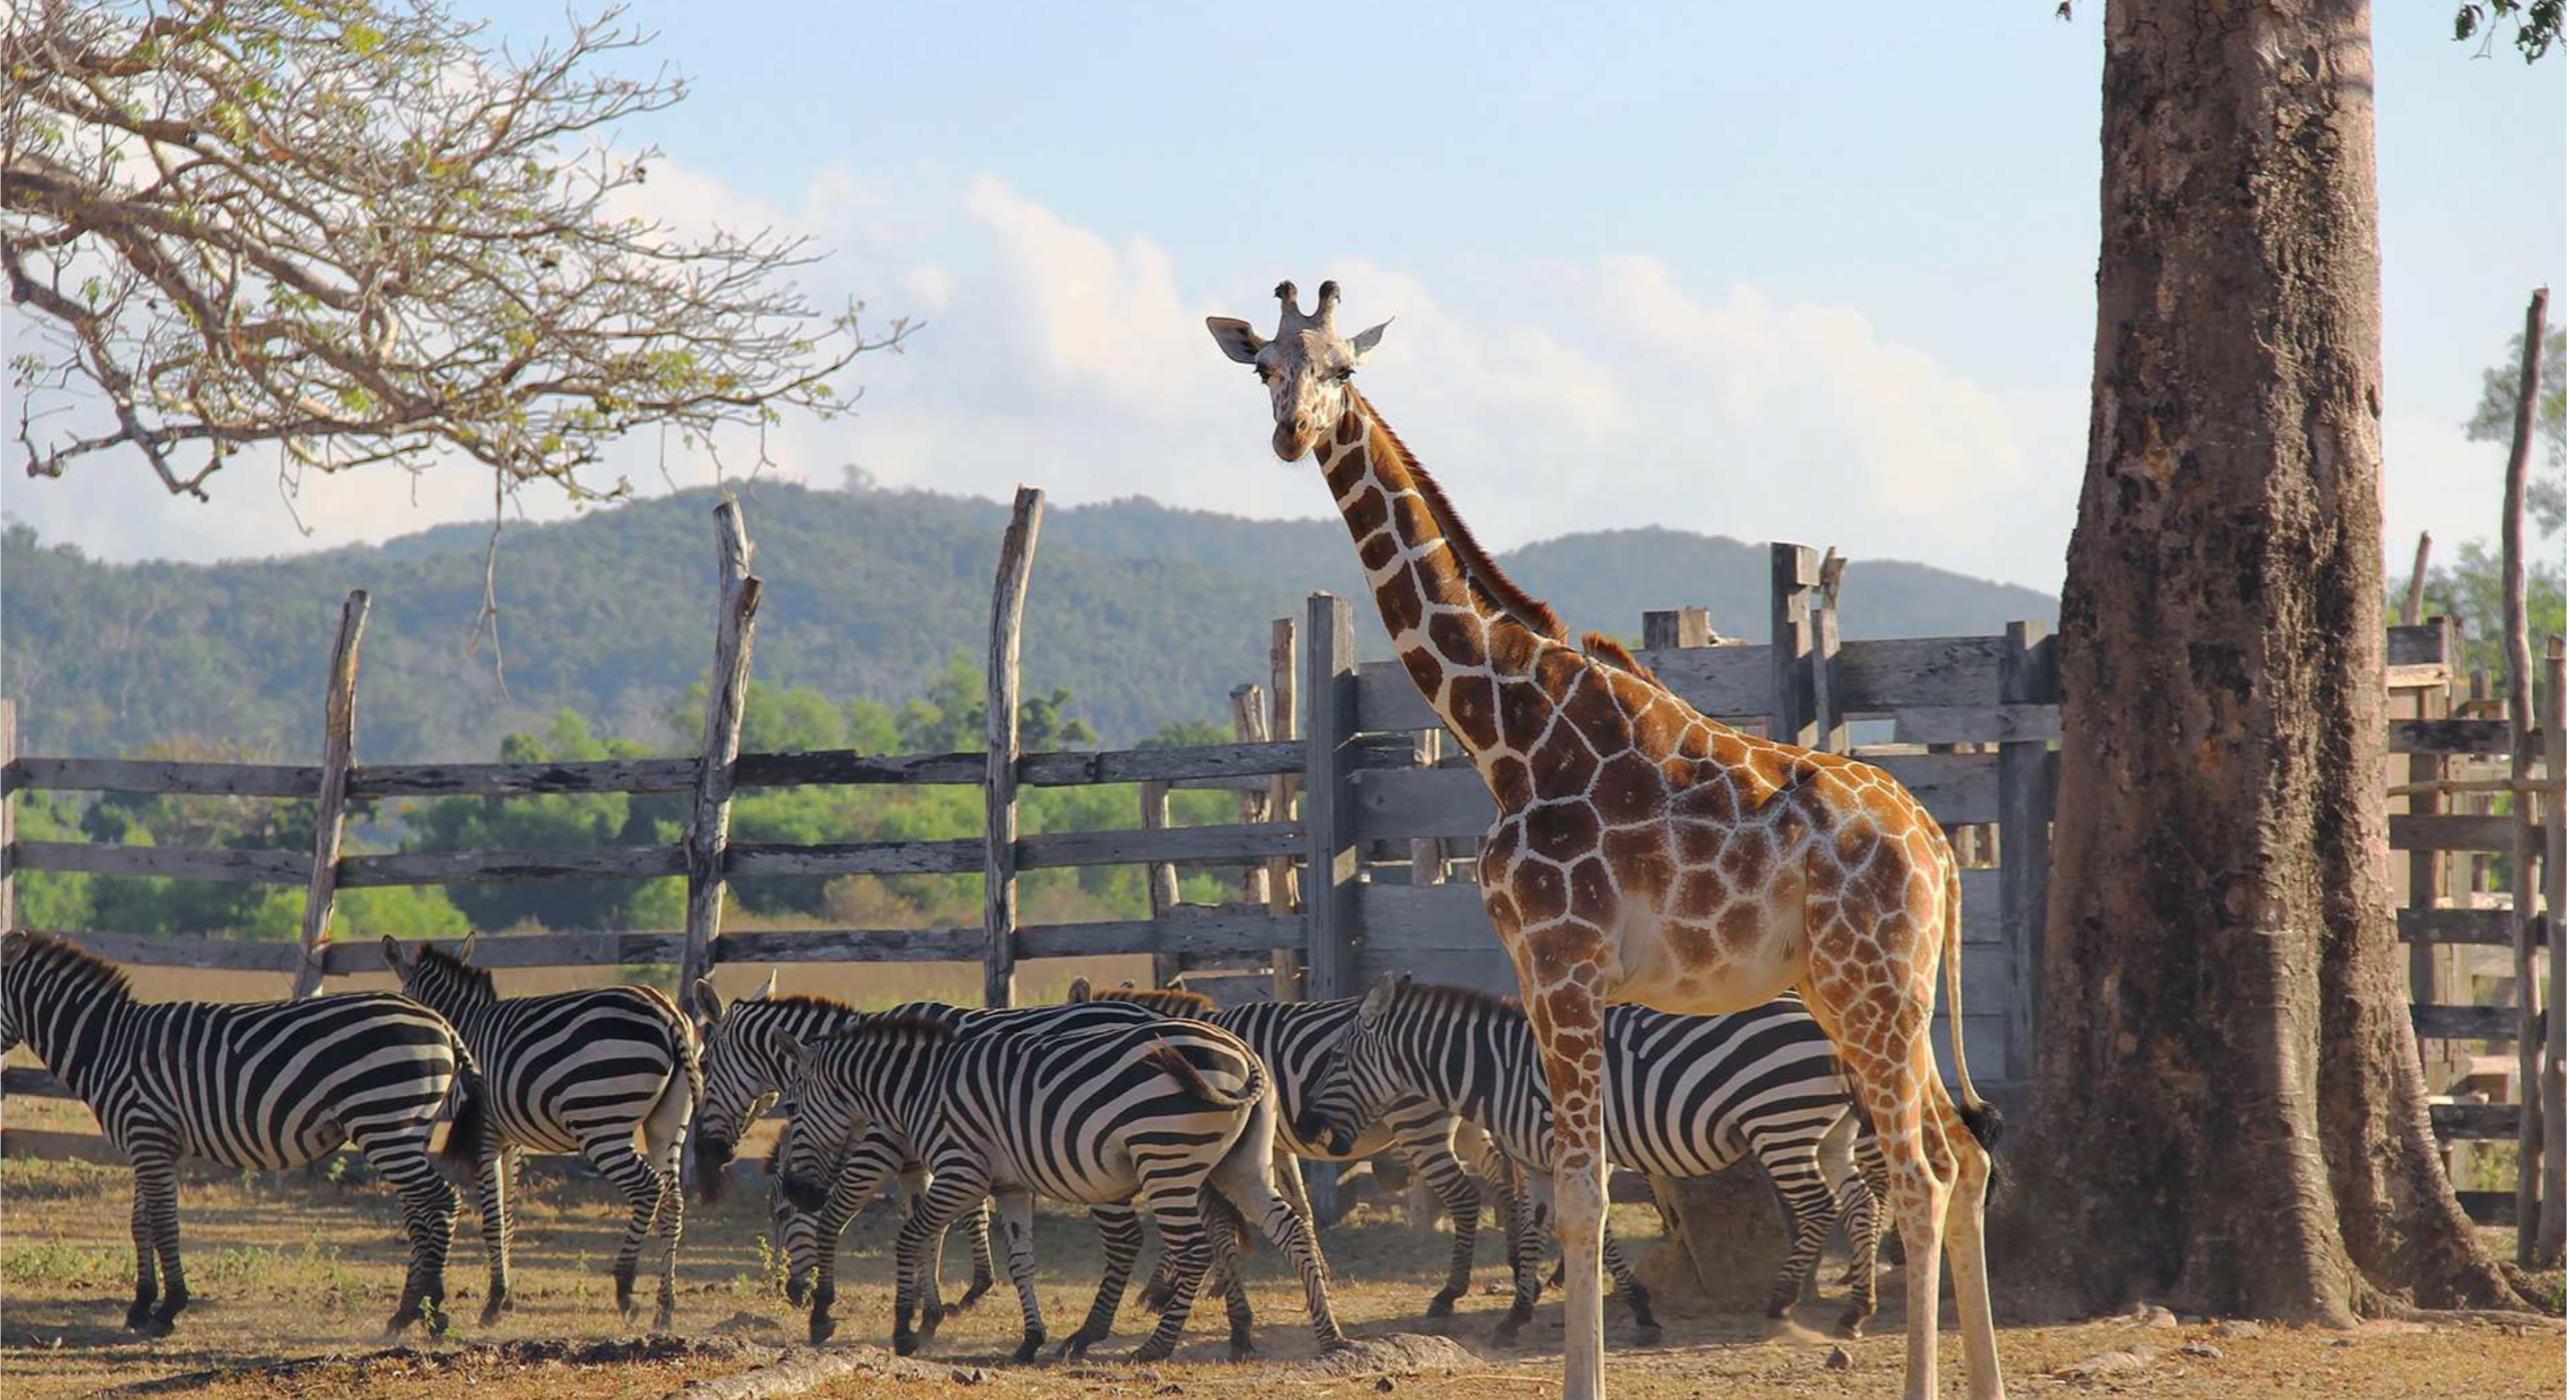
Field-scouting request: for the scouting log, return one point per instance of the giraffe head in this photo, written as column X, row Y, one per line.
column 1305, row 368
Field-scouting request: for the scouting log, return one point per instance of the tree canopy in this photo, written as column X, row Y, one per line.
column 356, row 232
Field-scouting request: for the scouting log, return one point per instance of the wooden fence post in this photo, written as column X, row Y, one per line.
column 2529, row 1040
column 329, row 821
column 1283, row 674
column 1330, row 860
column 2027, row 674
column 708, row 824
column 1006, row 638
column 1664, row 628
column 2427, row 959
column 8, row 814
column 1164, row 895
column 1795, row 718
column 1248, row 726
column 2552, row 1244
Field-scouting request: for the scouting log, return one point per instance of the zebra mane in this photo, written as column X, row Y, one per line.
column 474, row 979
column 1437, row 996
column 886, row 1027
column 86, row 968
column 1174, row 1001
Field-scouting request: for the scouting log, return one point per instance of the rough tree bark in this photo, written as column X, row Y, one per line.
column 2230, row 1113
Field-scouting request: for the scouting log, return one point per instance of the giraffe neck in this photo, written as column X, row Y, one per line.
column 1463, row 630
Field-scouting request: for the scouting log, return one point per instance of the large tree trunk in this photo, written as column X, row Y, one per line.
column 2230, row 1111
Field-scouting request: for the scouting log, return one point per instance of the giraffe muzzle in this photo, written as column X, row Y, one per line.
column 1292, row 440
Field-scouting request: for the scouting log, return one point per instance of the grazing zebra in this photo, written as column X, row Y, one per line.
column 259, row 1086
column 745, row 1067
column 1177, row 1114
column 1685, row 1096
column 607, row 1072
column 1295, row 1039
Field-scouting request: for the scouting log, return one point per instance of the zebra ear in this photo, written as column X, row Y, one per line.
column 790, row 1049
column 463, row 951
column 1081, row 990
column 767, row 992
column 708, row 1002
column 13, row 944
column 1378, row 1000
column 392, row 953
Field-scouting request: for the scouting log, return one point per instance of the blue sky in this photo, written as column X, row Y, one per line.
column 1770, row 271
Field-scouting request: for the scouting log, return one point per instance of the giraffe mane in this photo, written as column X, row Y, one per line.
column 1615, row 654
column 1477, row 567
column 95, row 973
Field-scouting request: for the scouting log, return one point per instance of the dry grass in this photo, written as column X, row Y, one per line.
column 289, row 1269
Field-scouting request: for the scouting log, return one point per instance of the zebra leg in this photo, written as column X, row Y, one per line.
column 1809, row 1209
column 952, row 1193
column 1443, row 1174
column 1222, row 1230
column 639, row 1180
column 1246, row 1190
column 1866, row 1217
column 1176, row 1203
column 146, row 1242
column 1626, row 1281
column 1523, row 1252
column 672, row 1223
column 1121, row 1227
column 1016, row 1220
column 495, row 1227
column 428, row 1210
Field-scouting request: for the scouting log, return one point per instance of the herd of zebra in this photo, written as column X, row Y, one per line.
column 1129, row 1103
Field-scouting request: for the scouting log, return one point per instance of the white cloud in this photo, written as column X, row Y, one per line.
column 1551, row 397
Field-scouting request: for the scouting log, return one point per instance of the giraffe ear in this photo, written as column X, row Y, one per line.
column 1364, row 341
column 1237, row 338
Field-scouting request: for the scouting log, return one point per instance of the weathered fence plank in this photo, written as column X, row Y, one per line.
column 329, row 819
column 9, row 770
column 2466, row 1022
column 2451, row 832
column 1006, row 649
column 1978, row 724
column 2027, row 786
column 708, row 824
column 2483, row 1121
column 2450, row 736
column 956, row 856
column 377, row 780
column 2551, row 1236
column 167, row 862
column 2487, row 927
column 511, row 867
column 1792, row 714
column 1328, row 821
column 1283, row 726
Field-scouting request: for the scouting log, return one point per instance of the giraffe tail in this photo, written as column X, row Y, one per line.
column 1977, row 1114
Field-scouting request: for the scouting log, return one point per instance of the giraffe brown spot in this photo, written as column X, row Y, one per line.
column 1473, row 706
column 1628, row 790
column 1560, row 946
column 1772, row 765
column 1349, row 427
column 1500, row 906
column 1424, row 669
column 1747, row 858
column 1511, row 651
column 1698, row 843
column 1561, row 831
column 1741, row 925
column 1641, row 864
column 1701, row 894
column 1368, row 513
column 1691, row 943
column 1522, row 710
column 1416, row 522
column 1591, row 709
column 1377, row 551
column 1563, row 764
column 1659, row 730
column 1541, row 892
column 1511, row 781
column 1632, row 693
column 1592, row 896
column 1460, row 636
column 1728, row 748
column 1346, row 471
column 1715, row 801
column 1401, row 607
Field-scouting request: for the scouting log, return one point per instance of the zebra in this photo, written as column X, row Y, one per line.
column 260, row 1086
column 1295, row 1039
column 607, row 1072
column 1685, row 1096
column 745, row 1068
column 1178, row 1114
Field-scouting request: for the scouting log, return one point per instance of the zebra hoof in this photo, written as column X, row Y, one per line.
column 823, row 1327
column 1648, row 1334
column 1242, row 1348
column 971, row 1295
column 664, row 1318
column 1150, row 1351
column 904, row 1346
column 437, row 1323
column 796, row 1292
column 1506, row 1333
column 138, row 1316
column 1852, row 1324
column 1030, row 1347
column 490, row 1312
column 1442, row 1306
column 1074, row 1347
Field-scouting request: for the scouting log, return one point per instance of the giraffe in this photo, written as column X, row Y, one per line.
column 1645, row 853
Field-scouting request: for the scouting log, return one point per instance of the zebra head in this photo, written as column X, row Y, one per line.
column 743, row 1069
column 446, row 983
column 1356, row 1082
column 843, row 1085
column 16, row 970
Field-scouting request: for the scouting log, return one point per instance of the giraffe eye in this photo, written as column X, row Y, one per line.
column 1265, row 375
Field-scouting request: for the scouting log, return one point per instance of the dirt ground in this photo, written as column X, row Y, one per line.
column 293, row 1278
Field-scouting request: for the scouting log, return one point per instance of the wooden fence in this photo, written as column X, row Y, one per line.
column 1371, row 873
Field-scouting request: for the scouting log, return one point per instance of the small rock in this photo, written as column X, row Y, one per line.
column 1839, row 1359
column 1385, row 1386
column 2236, row 1327
column 968, row 1375
column 2340, row 1342
column 2191, row 1319
column 2108, row 1363
column 1171, row 1388
column 2204, row 1350
column 2159, row 1317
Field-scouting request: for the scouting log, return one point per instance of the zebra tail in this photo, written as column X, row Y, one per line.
column 1173, row 1060
column 1977, row 1114
column 466, row 1135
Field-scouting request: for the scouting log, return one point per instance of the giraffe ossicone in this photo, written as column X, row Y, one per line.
column 1644, row 852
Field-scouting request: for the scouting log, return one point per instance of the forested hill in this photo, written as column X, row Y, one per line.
column 1148, row 614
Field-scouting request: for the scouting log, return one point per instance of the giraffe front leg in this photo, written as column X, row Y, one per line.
column 1568, row 1025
